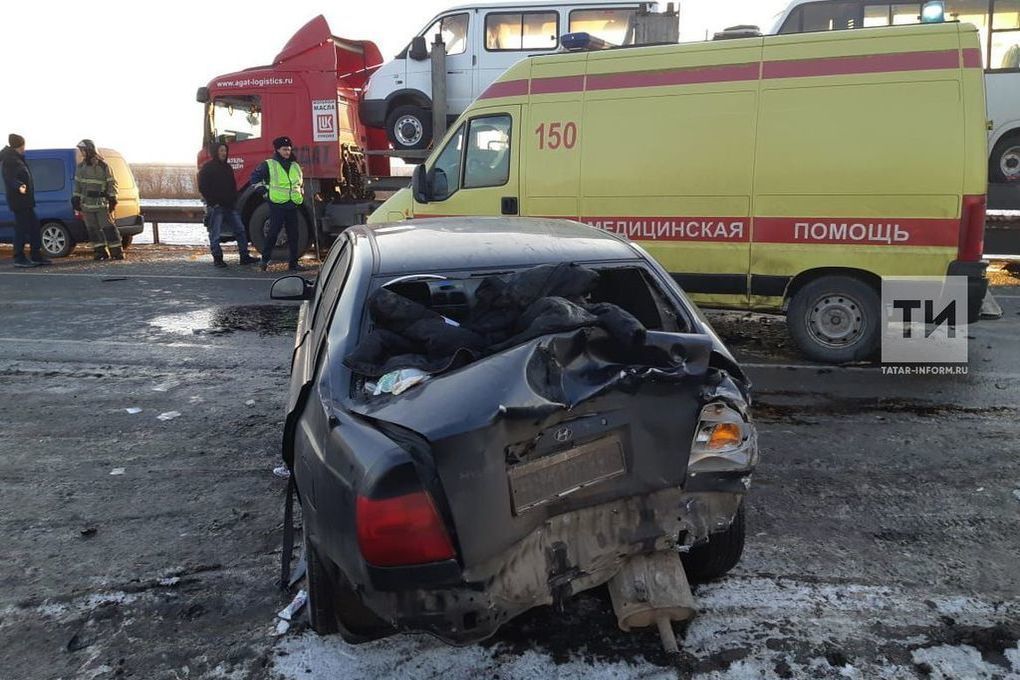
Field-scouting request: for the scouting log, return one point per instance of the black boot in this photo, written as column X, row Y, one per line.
column 116, row 252
column 100, row 253
column 218, row 262
column 246, row 258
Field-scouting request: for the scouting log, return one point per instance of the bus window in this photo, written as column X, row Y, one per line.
column 1005, row 48
column 830, row 16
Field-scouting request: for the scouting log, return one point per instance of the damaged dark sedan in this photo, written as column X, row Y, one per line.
column 491, row 414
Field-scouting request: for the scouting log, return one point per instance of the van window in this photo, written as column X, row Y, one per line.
column 454, row 29
column 48, row 174
column 891, row 15
column 488, row 152
column 445, row 173
column 607, row 24
column 236, row 118
column 830, row 16
column 521, row 31
column 121, row 171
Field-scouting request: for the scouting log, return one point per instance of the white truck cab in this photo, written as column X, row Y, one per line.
column 482, row 41
column 998, row 24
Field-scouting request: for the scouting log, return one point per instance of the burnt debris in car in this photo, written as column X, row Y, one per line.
column 561, row 423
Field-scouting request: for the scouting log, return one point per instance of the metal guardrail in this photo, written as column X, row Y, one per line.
column 191, row 213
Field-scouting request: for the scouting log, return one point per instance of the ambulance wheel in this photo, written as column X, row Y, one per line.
column 409, row 128
column 1004, row 165
column 836, row 319
column 258, row 228
column 56, row 239
column 721, row 553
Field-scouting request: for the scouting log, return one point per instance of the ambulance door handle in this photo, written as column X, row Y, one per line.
column 508, row 205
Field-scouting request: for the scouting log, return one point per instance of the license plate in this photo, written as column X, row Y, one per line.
column 561, row 474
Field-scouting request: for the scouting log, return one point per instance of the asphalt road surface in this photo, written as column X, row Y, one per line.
column 883, row 520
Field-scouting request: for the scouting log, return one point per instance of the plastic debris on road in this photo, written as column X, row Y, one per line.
column 250, row 402
column 282, row 471
column 398, row 382
column 282, row 627
column 133, row 410
column 169, row 415
column 117, row 471
column 288, row 612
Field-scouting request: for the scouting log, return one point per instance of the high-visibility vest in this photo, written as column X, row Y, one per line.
column 285, row 186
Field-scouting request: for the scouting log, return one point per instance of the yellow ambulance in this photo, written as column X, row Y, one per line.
column 778, row 173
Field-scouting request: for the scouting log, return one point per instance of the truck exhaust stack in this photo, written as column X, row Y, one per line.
column 653, row 590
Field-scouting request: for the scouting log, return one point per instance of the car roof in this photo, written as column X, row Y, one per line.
column 485, row 243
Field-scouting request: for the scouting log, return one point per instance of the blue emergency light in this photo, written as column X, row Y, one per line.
column 933, row 12
column 579, row 42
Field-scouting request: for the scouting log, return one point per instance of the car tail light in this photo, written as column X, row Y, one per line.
column 401, row 530
column 972, row 229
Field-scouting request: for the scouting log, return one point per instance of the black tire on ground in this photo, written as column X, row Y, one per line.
column 720, row 554
column 335, row 607
column 409, row 128
column 258, row 225
column 1004, row 163
column 56, row 239
column 125, row 241
column 836, row 319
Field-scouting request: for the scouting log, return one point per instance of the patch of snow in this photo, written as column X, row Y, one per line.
column 950, row 663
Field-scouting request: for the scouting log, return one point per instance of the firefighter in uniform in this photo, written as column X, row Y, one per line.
column 285, row 185
column 95, row 196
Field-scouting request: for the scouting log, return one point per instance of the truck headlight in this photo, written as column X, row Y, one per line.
column 723, row 442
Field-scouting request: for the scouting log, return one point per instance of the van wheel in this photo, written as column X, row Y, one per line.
column 836, row 319
column 409, row 127
column 56, row 239
column 1004, row 165
column 720, row 554
column 335, row 607
column 126, row 240
column 258, row 226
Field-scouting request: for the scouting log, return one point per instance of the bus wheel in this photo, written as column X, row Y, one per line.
column 836, row 319
column 258, row 226
column 1004, row 165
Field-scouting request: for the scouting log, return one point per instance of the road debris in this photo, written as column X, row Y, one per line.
column 282, row 471
column 116, row 471
column 133, row 410
column 250, row 402
column 169, row 415
column 288, row 612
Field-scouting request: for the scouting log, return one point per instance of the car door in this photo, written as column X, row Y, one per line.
column 476, row 173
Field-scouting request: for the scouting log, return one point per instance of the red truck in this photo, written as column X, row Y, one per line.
column 309, row 93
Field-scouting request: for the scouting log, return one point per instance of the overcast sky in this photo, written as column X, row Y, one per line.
column 125, row 73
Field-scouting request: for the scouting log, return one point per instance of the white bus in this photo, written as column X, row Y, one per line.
column 998, row 22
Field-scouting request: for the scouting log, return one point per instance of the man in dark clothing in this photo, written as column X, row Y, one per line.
column 218, row 187
column 20, row 190
column 284, row 183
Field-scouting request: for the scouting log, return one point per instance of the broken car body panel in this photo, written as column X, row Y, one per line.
column 550, row 463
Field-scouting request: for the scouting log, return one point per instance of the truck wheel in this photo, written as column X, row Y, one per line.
column 258, row 226
column 836, row 319
column 409, row 127
column 720, row 554
column 1004, row 164
column 335, row 607
column 126, row 240
column 56, row 240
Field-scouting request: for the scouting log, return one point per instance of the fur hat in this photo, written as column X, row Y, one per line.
column 15, row 141
column 281, row 141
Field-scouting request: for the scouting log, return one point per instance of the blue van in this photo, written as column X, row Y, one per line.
column 62, row 228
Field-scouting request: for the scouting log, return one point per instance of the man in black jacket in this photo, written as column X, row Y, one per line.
column 218, row 187
column 21, row 197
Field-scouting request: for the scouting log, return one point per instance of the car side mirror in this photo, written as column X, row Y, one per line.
column 291, row 288
column 419, row 48
column 419, row 185
column 438, row 185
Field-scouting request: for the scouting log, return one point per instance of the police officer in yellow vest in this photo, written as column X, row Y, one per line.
column 285, row 186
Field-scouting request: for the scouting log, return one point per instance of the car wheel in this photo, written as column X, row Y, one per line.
column 126, row 240
column 258, row 228
column 721, row 553
column 409, row 128
column 836, row 319
column 56, row 240
column 334, row 606
column 1004, row 164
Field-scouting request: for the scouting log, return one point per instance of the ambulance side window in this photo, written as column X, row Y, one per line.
column 488, row 152
column 823, row 16
column 444, row 175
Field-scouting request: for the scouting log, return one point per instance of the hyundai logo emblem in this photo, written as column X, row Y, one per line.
column 563, row 434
